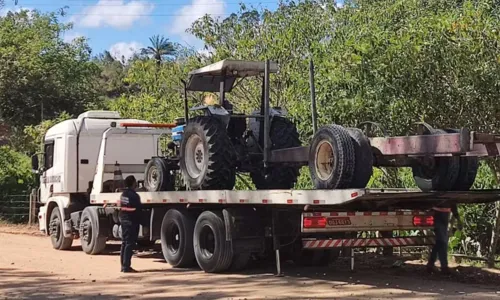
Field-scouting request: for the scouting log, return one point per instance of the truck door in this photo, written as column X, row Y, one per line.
column 51, row 179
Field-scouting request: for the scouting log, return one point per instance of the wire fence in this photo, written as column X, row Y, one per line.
column 19, row 208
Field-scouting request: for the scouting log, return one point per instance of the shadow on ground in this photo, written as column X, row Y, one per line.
column 374, row 277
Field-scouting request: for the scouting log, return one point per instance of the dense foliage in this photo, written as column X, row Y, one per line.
column 395, row 62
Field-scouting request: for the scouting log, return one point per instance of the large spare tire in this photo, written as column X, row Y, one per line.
column 207, row 158
column 469, row 166
column 332, row 158
column 283, row 134
column 436, row 173
column 363, row 168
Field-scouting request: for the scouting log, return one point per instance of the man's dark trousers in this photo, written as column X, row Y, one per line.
column 440, row 249
column 130, row 231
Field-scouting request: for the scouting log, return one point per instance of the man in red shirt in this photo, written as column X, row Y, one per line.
column 440, row 249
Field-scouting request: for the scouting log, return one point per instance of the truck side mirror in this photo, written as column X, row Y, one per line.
column 34, row 162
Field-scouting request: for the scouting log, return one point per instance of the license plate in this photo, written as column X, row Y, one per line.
column 339, row 221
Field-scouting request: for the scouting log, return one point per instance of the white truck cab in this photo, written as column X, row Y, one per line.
column 69, row 160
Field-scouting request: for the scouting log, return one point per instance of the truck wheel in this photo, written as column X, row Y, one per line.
column 332, row 158
column 59, row 241
column 92, row 242
column 213, row 253
column 283, row 134
column 207, row 156
column 157, row 176
column 363, row 168
column 467, row 171
column 177, row 230
column 436, row 173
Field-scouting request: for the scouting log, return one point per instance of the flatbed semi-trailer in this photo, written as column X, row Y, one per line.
column 86, row 159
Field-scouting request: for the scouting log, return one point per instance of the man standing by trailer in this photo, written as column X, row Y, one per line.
column 130, row 211
column 440, row 249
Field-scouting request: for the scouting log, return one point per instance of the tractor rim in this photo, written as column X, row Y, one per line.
column 324, row 160
column 195, row 156
column 153, row 176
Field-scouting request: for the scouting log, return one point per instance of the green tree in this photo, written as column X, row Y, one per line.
column 39, row 70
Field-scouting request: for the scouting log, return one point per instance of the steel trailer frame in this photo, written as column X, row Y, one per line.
column 395, row 151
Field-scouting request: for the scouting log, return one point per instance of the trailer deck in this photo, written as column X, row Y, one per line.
column 324, row 199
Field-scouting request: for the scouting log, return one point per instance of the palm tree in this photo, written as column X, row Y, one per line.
column 160, row 47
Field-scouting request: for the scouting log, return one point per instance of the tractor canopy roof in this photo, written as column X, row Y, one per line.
column 208, row 78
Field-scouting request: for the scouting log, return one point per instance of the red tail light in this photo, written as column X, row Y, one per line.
column 314, row 222
column 423, row 221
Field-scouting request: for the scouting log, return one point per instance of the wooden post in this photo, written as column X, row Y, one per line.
column 32, row 209
column 494, row 237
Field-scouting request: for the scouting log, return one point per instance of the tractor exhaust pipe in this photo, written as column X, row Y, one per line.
column 266, row 113
column 313, row 96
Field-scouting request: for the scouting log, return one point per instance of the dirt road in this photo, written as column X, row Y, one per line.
column 31, row 269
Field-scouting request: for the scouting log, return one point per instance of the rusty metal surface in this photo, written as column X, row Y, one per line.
column 296, row 155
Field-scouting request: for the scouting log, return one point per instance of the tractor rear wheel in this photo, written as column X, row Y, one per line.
column 283, row 134
column 207, row 158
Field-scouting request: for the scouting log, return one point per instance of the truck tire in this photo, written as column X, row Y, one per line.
column 469, row 166
column 283, row 134
column 332, row 158
column 363, row 168
column 436, row 173
column 177, row 230
column 213, row 253
column 59, row 241
column 207, row 156
column 92, row 242
column 157, row 176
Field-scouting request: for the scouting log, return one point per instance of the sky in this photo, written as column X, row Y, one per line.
column 125, row 26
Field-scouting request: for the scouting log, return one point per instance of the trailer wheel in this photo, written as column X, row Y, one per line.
column 157, row 176
column 177, row 238
column 469, row 166
column 436, row 173
column 59, row 241
column 332, row 158
column 213, row 253
column 363, row 168
column 92, row 242
column 283, row 134
column 207, row 156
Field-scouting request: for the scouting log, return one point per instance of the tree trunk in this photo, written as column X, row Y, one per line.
column 495, row 234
